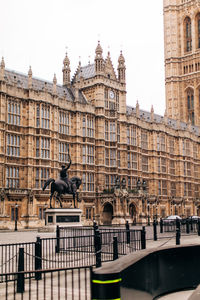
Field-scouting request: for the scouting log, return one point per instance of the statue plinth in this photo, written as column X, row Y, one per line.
column 64, row 217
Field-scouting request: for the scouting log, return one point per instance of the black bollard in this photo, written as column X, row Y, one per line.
column 187, row 226
column 20, row 277
column 57, row 239
column 38, row 258
column 154, row 230
column 178, row 235
column 143, row 238
column 161, row 225
column 191, row 224
column 98, row 249
column 198, row 227
column 105, row 286
column 115, row 248
column 127, row 233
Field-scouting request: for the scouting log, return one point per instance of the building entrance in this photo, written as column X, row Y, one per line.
column 133, row 212
column 107, row 214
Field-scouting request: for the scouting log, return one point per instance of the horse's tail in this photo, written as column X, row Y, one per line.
column 50, row 180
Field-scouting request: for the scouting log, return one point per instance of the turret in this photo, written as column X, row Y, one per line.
column 30, row 78
column 121, row 69
column 66, row 71
column 2, row 69
column 99, row 61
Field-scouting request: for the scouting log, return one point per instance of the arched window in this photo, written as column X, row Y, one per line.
column 190, row 105
column 188, row 34
column 198, row 30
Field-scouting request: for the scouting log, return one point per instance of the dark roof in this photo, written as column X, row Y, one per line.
column 21, row 80
column 146, row 116
column 85, row 72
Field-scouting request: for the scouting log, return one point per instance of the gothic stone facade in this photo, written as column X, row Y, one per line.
column 182, row 59
column 87, row 116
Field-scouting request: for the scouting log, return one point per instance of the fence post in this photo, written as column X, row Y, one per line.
column 20, row 277
column 187, row 226
column 154, row 230
column 98, row 248
column 143, row 238
column 115, row 248
column 127, row 233
column 178, row 235
column 198, row 227
column 57, row 239
column 161, row 225
column 38, row 258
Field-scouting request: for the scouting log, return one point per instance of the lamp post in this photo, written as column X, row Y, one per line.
column 16, row 216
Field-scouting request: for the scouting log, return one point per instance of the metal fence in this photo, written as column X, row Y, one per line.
column 69, row 251
column 62, row 283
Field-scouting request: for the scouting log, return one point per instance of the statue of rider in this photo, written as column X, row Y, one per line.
column 64, row 175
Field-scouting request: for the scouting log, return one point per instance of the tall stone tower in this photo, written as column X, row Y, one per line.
column 182, row 59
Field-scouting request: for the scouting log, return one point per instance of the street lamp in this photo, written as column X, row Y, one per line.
column 16, row 216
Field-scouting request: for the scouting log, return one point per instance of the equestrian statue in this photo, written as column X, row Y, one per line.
column 63, row 185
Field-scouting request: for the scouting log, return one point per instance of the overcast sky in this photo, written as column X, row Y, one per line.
column 37, row 32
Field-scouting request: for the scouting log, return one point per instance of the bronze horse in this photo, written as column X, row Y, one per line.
column 61, row 187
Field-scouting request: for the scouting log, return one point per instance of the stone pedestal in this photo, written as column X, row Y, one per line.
column 62, row 217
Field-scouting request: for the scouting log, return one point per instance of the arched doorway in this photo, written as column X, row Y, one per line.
column 133, row 212
column 107, row 214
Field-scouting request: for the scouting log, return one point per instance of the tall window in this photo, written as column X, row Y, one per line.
column 64, row 122
column 198, row 30
column 118, row 133
column 63, row 152
column 162, row 165
column 88, row 154
column 144, row 140
column 145, row 163
column 173, row 189
column 14, row 112
column 131, row 136
column 110, row 157
column 190, row 105
column 88, row 182
column 172, row 167
column 195, row 151
column 42, row 174
column 132, row 160
column 171, row 145
column 161, row 142
column 162, row 187
column 13, row 145
column 43, row 116
column 12, row 177
column 43, row 147
column 188, row 34
column 88, row 126
column 110, row 131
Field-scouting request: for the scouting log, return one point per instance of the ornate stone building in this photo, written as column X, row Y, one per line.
column 182, row 59
column 155, row 158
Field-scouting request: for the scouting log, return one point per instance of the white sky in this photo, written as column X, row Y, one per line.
column 37, row 32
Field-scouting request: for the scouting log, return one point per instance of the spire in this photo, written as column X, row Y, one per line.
column 121, row 69
column 99, row 61
column 137, row 110
column 165, row 117
column 54, row 83
column 2, row 69
column 152, row 113
column 30, row 78
column 66, row 70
